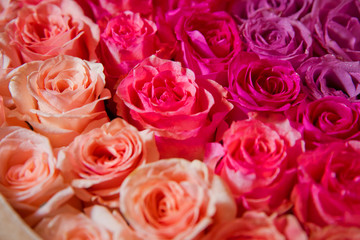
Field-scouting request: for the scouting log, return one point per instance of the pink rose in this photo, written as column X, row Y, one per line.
column 8, row 10
column 182, row 111
column 257, row 225
column 126, row 39
column 97, row 223
column 257, row 160
column 59, row 97
column 208, row 40
column 2, row 113
column 174, row 199
column 329, row 119
column 97, row 162
column 335, row 232
column 328, row 188
column 263, row 84
column 52, row 28
column 29, row 179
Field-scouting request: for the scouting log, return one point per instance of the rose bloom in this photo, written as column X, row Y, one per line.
column 334, row 232
column 125, row 40
column 336, row 28
column 329, row 76
column 328, row 188
column 208, row 40
column 257, row 161
column 257, row 225
column 174, row 199
column 182, row 111
column 294, row 9
column 52, row 28
column 8, row 11
column 263, row 84
column 280, row 38
column 97, row 223
column 329, row 119
column 97, row 162
column 29, row 179
column 9, row 59
column 59, row 97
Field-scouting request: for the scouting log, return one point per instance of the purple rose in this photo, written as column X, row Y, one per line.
column 328, row 189
column 262, row 84
column 337, row 27
column 208, row 40
column 327, row 75
column 329, row 119
column 277, row 37
column 294, row 9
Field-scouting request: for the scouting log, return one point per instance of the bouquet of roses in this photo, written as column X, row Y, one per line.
column 180, row 119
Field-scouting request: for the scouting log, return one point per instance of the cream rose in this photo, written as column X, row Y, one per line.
column 29, row 179
column 97, row 162
column 174, row 199
column 59, row 97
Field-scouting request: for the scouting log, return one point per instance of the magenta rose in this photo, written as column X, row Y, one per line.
column 329, row 119
column 125, row 41
column 208, row 40
column 337, row 27
column 52, row 28
column 182, row 110
column 327, row 76
column 280, row 38
column 263, row 84
column 328, row 188
column 294, row 9
column 257, row 160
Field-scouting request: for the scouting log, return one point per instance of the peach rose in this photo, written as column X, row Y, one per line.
column 9, row 59
column 96, row 223
column 51, row 28
column 257, row 225
column 29, row 179
column 174, row 199
column 2, row 112
column 97, row 162
column 59, row 97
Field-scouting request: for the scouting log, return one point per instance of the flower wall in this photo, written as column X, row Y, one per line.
column 185, row 119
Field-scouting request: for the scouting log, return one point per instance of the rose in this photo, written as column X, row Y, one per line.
column 275, row 37
column 29, row 179
column 97, row 162
column 51, row 28
column 9, row 59
column 182, row 111
column 336, row 28
column 328, row 188
column 334, row 232
column 257, row 225
column 174, row 199
column 257, row 162
column 8, row 11
column 329, row 119
column 328, row 75
column 96, row 223
column 294, row 9
column 263, row 84
column 125, row 40
column 208, row 40
column 59, row 97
